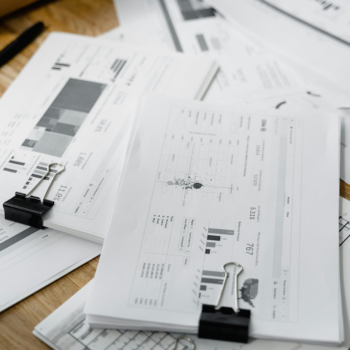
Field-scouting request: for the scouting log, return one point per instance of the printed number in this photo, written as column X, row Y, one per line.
column 80, row 159
column 249, row 249
column 60, row 193
column 252, row 213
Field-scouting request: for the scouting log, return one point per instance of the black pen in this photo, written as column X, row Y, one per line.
column 20, row 43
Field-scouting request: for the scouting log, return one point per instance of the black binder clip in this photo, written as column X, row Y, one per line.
column 225, row 323
column 28, row 210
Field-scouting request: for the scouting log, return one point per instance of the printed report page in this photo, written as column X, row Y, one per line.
column 31, row 259
column 206, row 185
column 319, row 99
column 72, row 104
column 317, row 57
column 332, row 17
column 68, row 329
column 193, row 27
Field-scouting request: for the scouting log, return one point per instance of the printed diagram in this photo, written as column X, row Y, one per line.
column 191, row 170
column 57, row 128
column 186, row 184
column 249, row 290
column 344, row 231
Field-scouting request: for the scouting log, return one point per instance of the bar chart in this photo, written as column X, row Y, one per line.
column 15, row 166
column 195, row 9
column 211, row 277
column 214, row 237
column 117, row 67
column 60, row 123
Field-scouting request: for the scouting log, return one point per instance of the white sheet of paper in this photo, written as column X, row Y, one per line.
column 72, row 104
column 316, row 97
column 320, row 99
column 67, row 329
column 173, row 227
column 131, row 35
column 31, row 259
column 330, row 17
column 172, row 24
column 315, row 56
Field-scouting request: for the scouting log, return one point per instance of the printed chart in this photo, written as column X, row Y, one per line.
column 197, row 169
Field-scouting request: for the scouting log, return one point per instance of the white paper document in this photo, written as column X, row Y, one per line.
column 317, row 57
column 127, row 35
column 332, row 17
column 30, row 259
column 207, row 184
column 73, row 104
column 192, row 27
column 67, row 329
column 320, row 99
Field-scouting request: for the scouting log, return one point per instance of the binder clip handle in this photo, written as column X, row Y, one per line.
column 188, row 339
column 236, row 308
column 43, row 178
column 225, row 323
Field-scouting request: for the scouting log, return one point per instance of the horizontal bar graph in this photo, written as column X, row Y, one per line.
column 211, row 277
column 213, row 238
column 16, row 162
column 10, row 170
column 213, row 273
column 218, row 231
column 117, row 67
column 14, row 166
column 216, row 239
column 212, row 280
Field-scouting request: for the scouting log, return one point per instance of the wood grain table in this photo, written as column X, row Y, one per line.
column 89, row 17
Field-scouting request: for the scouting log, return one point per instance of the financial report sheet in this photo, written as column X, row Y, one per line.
column 213, row 185
column 194, row 28
column 31, row 258
column 72, row 104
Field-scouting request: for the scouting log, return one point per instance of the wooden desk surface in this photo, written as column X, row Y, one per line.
column 90, row 17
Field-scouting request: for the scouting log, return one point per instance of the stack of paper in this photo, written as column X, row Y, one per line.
column 31, row 259
column 73, row 104
column 318, row 57
column 214, row 185
column 67, row 328
column 329, row 18
column 178, row 26
column 251, row 175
